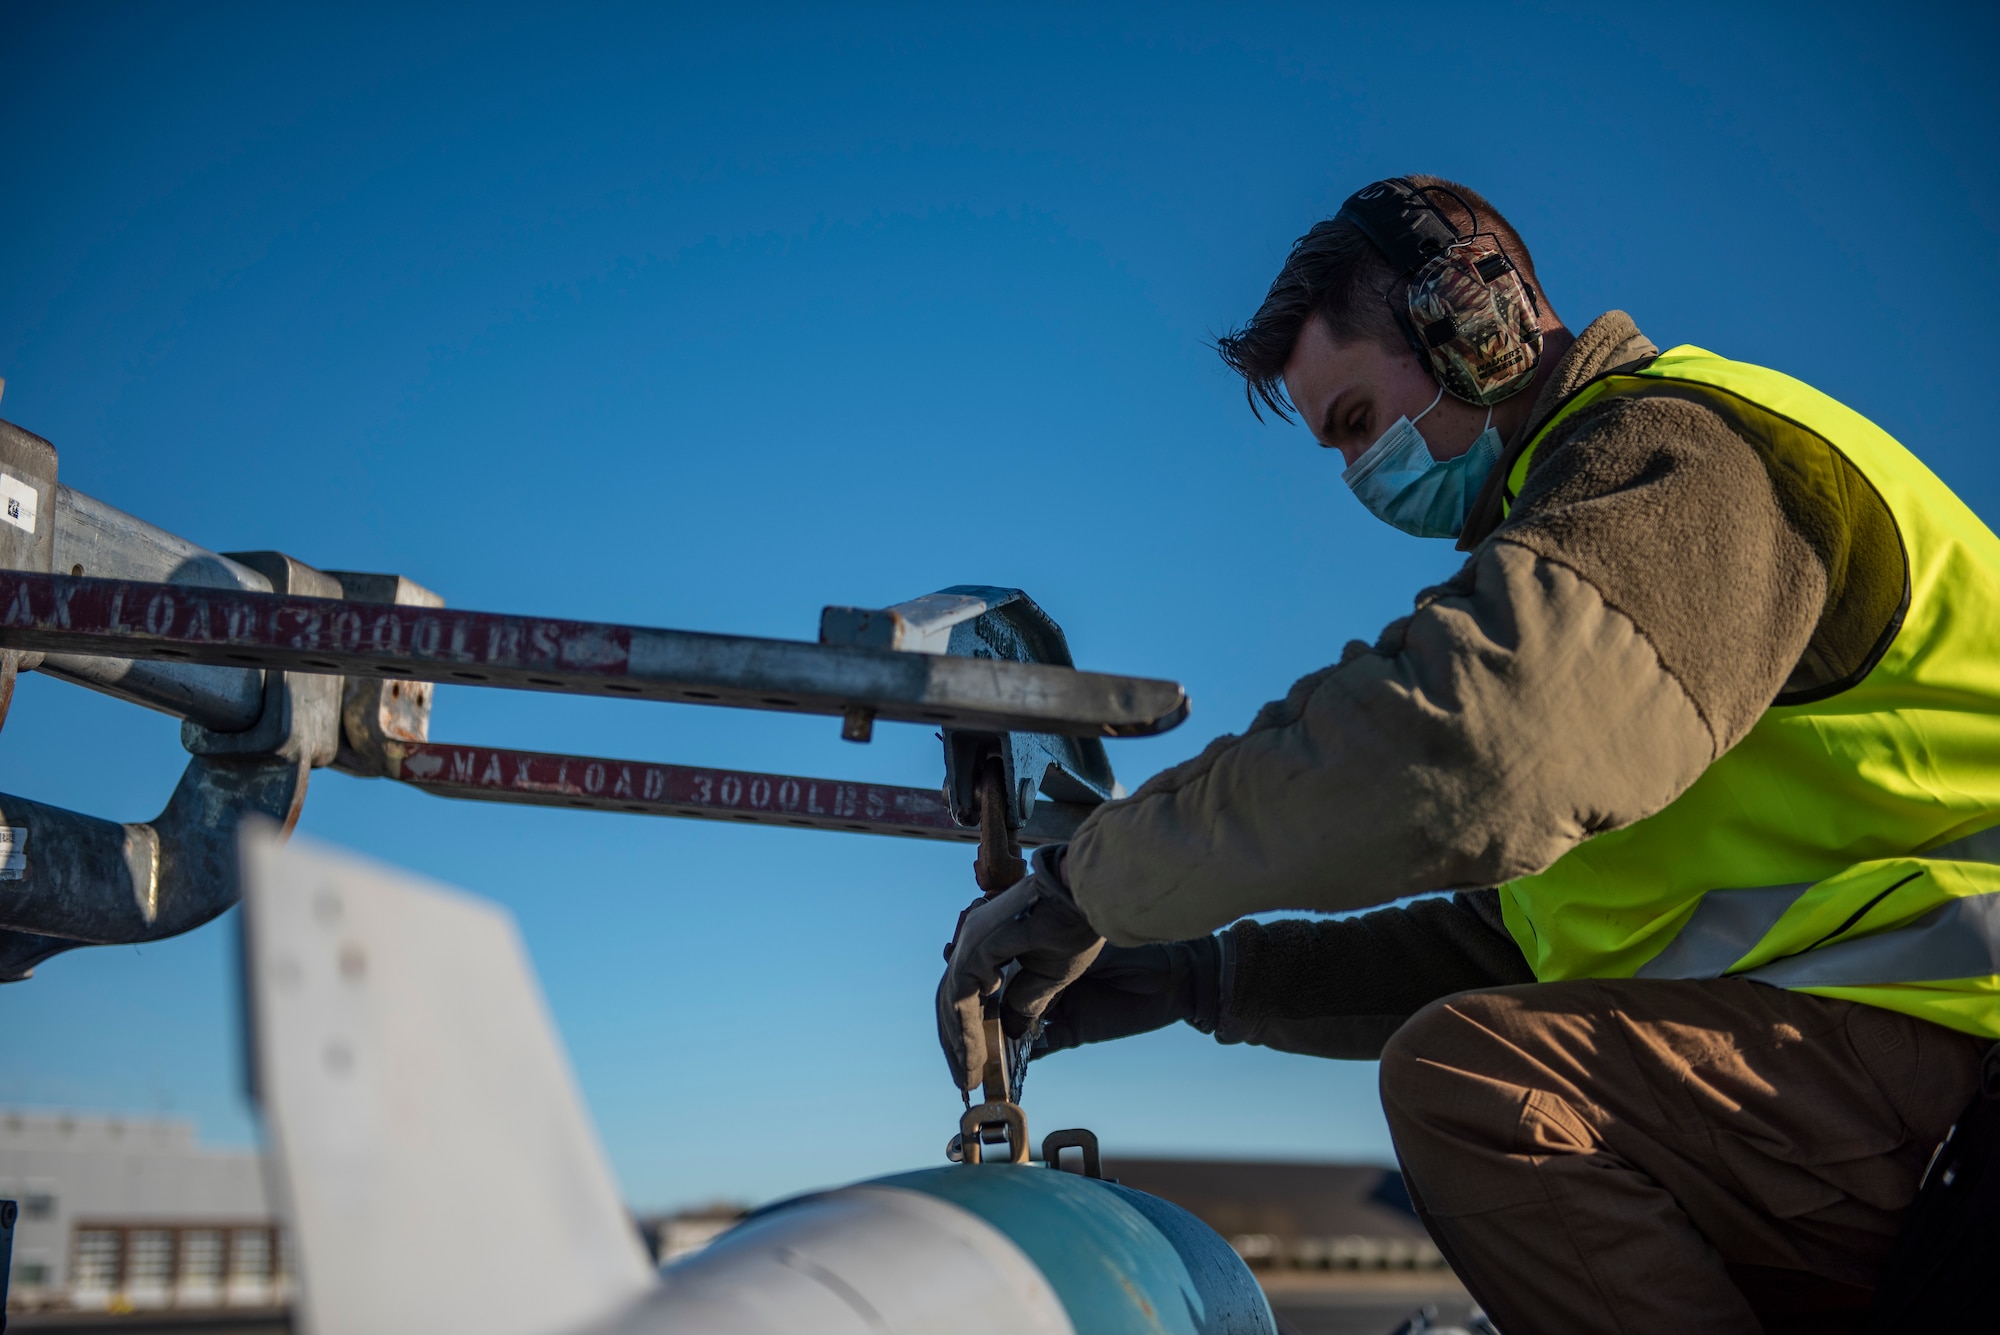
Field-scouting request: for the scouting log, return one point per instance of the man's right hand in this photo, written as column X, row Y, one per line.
column 1035, row 924
column 1134, row 990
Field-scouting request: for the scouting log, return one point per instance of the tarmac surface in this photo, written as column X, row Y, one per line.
column 1361, row 1304
column 261, row 1321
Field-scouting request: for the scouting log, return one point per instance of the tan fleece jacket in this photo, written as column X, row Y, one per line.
column 1627, row 624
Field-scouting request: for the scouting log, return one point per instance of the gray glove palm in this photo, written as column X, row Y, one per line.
column 1034, row 922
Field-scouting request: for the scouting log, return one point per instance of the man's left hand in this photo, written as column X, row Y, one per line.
column 1037, row 923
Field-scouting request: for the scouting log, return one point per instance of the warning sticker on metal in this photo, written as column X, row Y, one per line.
column 17, row 502
column 13, row 850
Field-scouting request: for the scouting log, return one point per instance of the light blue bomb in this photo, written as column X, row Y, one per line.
column 1005, row 1249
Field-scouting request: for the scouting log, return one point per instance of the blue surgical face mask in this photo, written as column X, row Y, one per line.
column 1404, row 487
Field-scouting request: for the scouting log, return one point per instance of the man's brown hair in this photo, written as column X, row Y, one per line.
column 1337, row 274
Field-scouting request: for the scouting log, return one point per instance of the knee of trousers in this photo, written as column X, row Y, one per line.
column 1443, row 1072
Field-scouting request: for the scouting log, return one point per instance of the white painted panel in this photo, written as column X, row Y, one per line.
column 17, row 503
column 427, row 1140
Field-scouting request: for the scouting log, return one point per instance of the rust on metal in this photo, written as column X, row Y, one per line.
column 999, row 864
column 993, row 1079
column 857, row 724
column 10, row 663
column 375, row 711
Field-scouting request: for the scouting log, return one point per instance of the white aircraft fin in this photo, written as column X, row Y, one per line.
column 425, row 1135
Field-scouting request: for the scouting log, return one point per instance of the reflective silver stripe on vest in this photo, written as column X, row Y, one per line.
column 1956, row 940
column 1981, row 847
column 1725, row 925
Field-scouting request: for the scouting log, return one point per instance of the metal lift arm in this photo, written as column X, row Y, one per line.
column 232, row 629
column 276, row 668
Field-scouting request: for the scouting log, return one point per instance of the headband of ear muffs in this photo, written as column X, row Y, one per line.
column 1463, row 306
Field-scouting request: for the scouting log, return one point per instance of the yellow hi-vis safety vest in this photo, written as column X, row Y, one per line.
column 1847, row 846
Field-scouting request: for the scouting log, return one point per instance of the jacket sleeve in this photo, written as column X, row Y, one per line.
column 1595, row 654
column 1340, row 987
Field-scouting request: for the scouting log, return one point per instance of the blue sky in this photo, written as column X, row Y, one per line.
column 707, row 318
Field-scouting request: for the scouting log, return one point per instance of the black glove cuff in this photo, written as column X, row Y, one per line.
column 1205, row 964
column 1048, row 864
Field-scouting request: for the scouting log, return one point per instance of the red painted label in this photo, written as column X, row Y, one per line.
column 139, row 615
column 626, row 784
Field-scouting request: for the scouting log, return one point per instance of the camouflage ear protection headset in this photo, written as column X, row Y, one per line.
column 1463, row 305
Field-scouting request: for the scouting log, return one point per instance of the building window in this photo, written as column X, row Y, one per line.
column 149, row 1258
column 250, row 1254
column 31, row 1274
column 201, row 1256
column 38, row 1205
column 98, row 1252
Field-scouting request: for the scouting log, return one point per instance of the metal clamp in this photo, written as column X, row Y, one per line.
column 992, row 1123
column 998, row 1120
column 381, row 718
column 79, row 880
column 83, row 880
column 301, row 710
column 86, row 881
column 1004, row 625
column 254, row 737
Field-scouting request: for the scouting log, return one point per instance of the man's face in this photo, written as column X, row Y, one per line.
column 1349, row 392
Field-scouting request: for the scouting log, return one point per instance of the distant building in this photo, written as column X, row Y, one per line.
column 1302, row 1216
column 124, row 1214
column 1279, row 1216
column 683, row 1233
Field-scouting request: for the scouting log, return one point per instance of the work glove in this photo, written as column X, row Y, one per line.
column 1134, row 990
column 1035, row 923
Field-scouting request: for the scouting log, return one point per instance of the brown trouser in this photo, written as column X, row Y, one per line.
column 1646, row 1157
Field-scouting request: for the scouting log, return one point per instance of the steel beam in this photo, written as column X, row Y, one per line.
column 101, row 541
column 539, row 778
column 227, row 628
